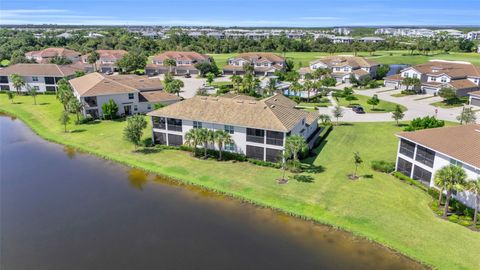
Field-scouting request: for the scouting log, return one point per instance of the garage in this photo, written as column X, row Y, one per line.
column 475, row 101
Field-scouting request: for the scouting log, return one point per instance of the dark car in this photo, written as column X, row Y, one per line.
column 187, row 75
column 358, row 109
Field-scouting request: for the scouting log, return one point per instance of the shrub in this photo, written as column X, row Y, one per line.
column 383, row 166
column 409, row 180
column 350, row 98
column 109, row 109
column 453, row 218
column 424, row 123
column 264, row 163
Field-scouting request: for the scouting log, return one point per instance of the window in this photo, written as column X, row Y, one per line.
column 229, row 147
column 35, row 79
column 229, row 129
column 158, row 122
column 425, row 156
column 197, row 124
column 273, row 155
column 135, row 107
column 433, row 79
column 404, row 167
column 36, row 87
column 4, row 87
column 414, row 75
column 407, row 148
column 149, row 107
column 456, row 162
column 131, row 96
column 50, row 88
column 3, row 79
column 444, row 80
column 255, row 152
column 49, row 80
column 174, row 124
column 422, row 175
column 274, row 138
column 159, row 138
column 175, row 140
column 255, row 135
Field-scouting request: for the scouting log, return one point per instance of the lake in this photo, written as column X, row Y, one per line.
column 61, row 209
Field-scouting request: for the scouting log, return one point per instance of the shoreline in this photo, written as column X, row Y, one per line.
column 184, row 182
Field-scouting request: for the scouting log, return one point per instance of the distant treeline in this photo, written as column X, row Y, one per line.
column 14, row 43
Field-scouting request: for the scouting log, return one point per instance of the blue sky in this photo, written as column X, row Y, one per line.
column 299, row 13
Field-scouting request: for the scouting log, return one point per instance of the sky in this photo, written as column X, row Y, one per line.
column 266, row 13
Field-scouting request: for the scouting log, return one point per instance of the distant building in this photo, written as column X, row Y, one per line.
column 371, row 40
column 474, row 35
column 264, row 64
column 343, row 31
column 434, row 75
column 132, row 93
column 106, row 62
column 65, row 35
column 342, row 39
column 184, row 63
column 46, row 55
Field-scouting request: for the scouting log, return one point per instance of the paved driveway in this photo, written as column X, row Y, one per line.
column 191, row 85
column 416, row 108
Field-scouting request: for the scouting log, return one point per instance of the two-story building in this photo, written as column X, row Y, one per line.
column 342, row 67
column 422, row 153
column 184, row 63
column 474, row 99
column 132, row 93
column 258, row 128
column 463, row 77
column 46, row 55
column 264, row 64
column 106, row 61
column 42, row 77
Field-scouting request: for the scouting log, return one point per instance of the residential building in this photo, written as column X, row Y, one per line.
column 450, row 32
column 184, row 63
column 474, row 35
column 343, row 67
column 258, row 128
column 474, row 98
column 264, row 64
column 132, row 93
column 46, row 55
column 434, row 75
column 106, row 62
column 342, row 31
column 371, row 40
column 342, row 39
column 422, row 153
column 42, row 77
column 65, row 35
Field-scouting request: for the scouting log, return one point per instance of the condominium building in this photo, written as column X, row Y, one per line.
column 259, row 128
column 264, row 64
column 46, row 55
column 184, row 63
column 106, row 62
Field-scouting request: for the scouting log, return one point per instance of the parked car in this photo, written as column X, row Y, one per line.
column 358, row 109
column 187, row 75
column 109, row 73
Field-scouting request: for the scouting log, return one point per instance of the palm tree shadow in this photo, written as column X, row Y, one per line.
column 303, row 178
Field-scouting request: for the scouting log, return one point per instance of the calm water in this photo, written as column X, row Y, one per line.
column 395, row 69
column 60, row 209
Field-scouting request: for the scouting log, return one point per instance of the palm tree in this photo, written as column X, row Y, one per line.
column 474, row 187
column 294, row 144
column 75, row 106
column 32, row 91
column 170, row 63
column 308, row 86
column 92, row 59
column 449, row 178
column 206, row 137
column 272, row 86
column 193, row 138
column 237, row 81
column 174, row 87
column 222, row 137
column 64, row 94
column 248, row 68
column 18, row 82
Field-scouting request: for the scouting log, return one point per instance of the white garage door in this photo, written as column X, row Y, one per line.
column 475, row 102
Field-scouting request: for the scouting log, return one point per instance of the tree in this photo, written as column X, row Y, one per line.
column 237, row 82
column 132, row 61
column 206, row 137
column 18, row 82
column 222, row 137
column 294, row 144
column 92, row 59
column 448, row 94
column 424, row 123
column 109, row 109
column 449, row 178
column 408, row 81
column 174, row 86
column 374, row 100
column 337, row 112
column 467, row 116
column 382, row 71
column 64, row 93
column 75, row 106
column 324, row 118
column 134, row 129
column 358, row 161
column 64, row 118
column 170, row 63
column 271, row 86
column 206, row 67
column 474, row 187
column 79, row 73
column 210, row 77
column 60, row 60
column 193, row 138
column 398, row 114
column 32, row 91
column 10, row 96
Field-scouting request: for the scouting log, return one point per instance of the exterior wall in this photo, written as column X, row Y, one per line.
column 318, row 65
column 440, row 161
column 29, row 82
column 121, row 100
column 474, row 100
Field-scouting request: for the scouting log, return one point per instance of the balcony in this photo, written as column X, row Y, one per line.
column 255, row 139
column 90, row 102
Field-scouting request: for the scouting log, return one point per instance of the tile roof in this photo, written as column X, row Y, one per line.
column 108, row 54
column 274, row 113
column 341, row 61
column 395, row 77
column 260, row 57
column 450, row 68
column 157, row 96
column 53, row 52
column 462, row 84
column 41, row 70
column 190, row 56
column 476, row 93
column 459, row 142
column 95, row 84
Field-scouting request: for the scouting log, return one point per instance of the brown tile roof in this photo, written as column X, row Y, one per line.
column 41, row 70
column 191, row 56
column 95, row 84
column 263, row 114
column 261, row 57
column 395, row 77
column 108, row 54
column 462, row 84
column 452, row 69
column 341, row 61
column 53, row 52
column 157, row 96
column 459, row 142
column 360, row 72
column 476, row 93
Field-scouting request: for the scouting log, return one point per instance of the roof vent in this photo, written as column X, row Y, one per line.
column 252, row 102
column 239, row 101
column 272, row 106
column 276, row 99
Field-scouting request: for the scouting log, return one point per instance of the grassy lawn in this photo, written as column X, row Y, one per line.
column 315, row 104
column 302, row 59
column 378, row 207
column 383, row 106
column 447, row 105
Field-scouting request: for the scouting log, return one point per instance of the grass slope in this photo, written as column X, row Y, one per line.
column 382, row 107
column 380, row 208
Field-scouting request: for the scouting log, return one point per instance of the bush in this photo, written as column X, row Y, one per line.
column 424, row 123
column 350, row 98
column 409, row 180
column 264, row 163
column 383, row 166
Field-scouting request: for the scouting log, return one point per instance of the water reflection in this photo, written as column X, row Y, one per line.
column 69, row 151
column 138, row 178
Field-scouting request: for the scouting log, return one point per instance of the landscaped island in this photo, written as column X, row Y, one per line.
column 377, row 206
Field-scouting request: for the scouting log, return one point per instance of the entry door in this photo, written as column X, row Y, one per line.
column 127, row 109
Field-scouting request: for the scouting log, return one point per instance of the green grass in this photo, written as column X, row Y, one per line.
column 448, row 105
column 315, row 104
column 302, row 59
column 382, row 107
column 380, row 207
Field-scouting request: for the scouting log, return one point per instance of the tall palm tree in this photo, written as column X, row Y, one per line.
column 32, row 91
column 309, row 85
column 237, row 81
column 18, row 82
column 449, row 178
column 170, row 63
column 75, row 106
column 294, row 144
column 64, row 93
column 193, row 138
column 248, row 68
column 222, row 137
column 92, row 59
column 206, row 137
column 474, row 187
column 272, row 86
